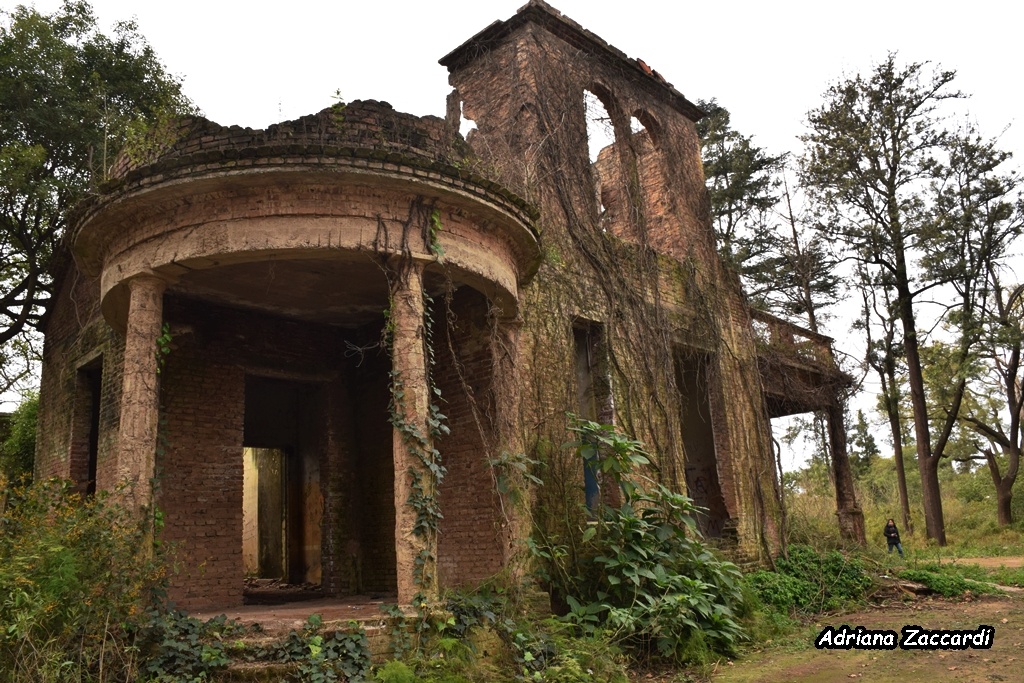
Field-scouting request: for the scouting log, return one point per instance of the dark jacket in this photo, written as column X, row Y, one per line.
column 892, row 534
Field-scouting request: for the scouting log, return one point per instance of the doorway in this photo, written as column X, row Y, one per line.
column 702, row 483
column 282, row 503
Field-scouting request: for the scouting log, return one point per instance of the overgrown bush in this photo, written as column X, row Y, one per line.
column 555, row 650
column 810, row 581
column 639, row 570
column 181, row 649
column 75, row 578
column 17, row 449
column 949, row 580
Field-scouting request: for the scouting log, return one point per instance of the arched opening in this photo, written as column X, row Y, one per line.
column 600, row 128
column 642, row 124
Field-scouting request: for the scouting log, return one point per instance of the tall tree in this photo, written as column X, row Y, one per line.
column 797, row 276
column 742, row 186
column 762, row 233
column 870, row 154
column 864, row 448
column 70, row 96
column 997, row 416
column 882, row 356
column 979, row 214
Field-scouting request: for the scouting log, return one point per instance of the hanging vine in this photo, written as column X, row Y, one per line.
column 639, row 259
column 426, row 475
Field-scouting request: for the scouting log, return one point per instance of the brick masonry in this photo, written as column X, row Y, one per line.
column 279, row 249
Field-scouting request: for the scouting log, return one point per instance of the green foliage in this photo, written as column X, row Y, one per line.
column 395, row 672
column 177, row 647
column 17, row 451
column 513, row 474
column 70, row 96
column 345, row 656
column 163, row 346
column 435, row 235
column 786, row 268
column 639, row 569
column 81, row 599
column 75, row 578
column 810, row 581
column 944, row 581
column 782, row 591
column 741, row 185
column 863, row 448
column 553, row 650
column 436, row 642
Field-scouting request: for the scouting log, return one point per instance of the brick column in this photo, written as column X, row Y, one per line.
column 140, row 399
column 416, row 555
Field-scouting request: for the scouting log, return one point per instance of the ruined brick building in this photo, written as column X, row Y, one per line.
column 258, row 328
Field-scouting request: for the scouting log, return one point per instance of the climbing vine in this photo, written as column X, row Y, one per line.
column 628, row 249
column 425, row 477
column 434, row 235
column 163, row 346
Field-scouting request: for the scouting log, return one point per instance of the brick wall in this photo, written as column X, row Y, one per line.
column 523, row 84
column 470, row 542
column 344, row 420
column 77, row 336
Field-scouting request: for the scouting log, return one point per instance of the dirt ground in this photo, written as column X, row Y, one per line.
column 992, row 562
column 798, row 660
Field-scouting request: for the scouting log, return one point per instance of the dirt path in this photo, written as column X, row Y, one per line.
column 991, row 562
column 802, row 662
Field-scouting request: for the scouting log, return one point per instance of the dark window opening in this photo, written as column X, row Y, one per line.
column 593, row 396
column 86, row 434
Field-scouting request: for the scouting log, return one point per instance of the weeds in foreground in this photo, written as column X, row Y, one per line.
column 76, row 575
column 82, row 599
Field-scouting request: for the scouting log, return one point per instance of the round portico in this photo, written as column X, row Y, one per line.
column 309, row 229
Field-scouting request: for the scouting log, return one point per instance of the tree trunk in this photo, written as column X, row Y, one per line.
column 926, row 463
column 851, row 517
column 1003, row 484
column 892, row 408
column 1004, row 497
column 932, row 500
column 901, row 474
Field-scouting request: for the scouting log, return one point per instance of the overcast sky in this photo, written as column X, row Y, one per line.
column 254, row 63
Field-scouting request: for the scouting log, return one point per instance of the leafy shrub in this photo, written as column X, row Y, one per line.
column 179, row 648
column 809, row 581
column 75, row 577
column 552, row 650
column 834, row 578
column 639, row 570
column 395, row 672
column 946, row 580
column 782, row 591
column 17, row 449
column 345, row 656
column 81, row 599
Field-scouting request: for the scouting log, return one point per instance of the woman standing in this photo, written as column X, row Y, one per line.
column 892, row 536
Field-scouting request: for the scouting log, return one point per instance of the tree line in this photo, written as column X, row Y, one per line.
column 71, row 96
column 898, row 202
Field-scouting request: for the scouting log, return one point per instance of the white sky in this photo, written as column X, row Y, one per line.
column 256, row 63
